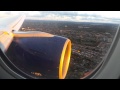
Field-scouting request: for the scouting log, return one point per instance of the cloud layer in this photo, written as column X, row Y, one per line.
column 79, row 16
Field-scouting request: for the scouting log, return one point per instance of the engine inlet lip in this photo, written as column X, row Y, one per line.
column 65, row 59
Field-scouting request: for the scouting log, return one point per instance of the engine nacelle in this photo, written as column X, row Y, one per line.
column 40, row 54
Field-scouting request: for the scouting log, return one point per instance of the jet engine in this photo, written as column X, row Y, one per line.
column 39, row 54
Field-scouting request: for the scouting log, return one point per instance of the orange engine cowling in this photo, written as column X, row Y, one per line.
column 39, row 54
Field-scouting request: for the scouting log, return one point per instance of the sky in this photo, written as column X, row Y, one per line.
column 78, row 16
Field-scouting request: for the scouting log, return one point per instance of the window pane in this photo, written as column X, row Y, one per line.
column 91, row 34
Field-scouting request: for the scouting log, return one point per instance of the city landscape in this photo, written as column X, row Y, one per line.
column 90, row 41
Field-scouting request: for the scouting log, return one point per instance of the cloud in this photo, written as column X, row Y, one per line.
column 59, row 13
column 69, row 16
column 87, row 16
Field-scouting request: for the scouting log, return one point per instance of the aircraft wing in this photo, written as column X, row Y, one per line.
column 11, row 23
column 7, row 25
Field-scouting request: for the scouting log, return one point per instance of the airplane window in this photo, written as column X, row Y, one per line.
column 90, row 33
